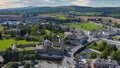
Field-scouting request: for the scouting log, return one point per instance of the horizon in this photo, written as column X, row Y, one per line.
column 8, row 4
column 56, row 6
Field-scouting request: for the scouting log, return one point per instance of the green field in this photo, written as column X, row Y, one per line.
column 93, row 13
column 1, row 28
column 62, row 17
column 114, row 15
column 4, row 44
column 86, row 26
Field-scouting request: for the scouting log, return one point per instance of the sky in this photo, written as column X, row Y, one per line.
column 40, row 3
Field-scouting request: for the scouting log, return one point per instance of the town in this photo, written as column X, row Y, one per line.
column 56, row 37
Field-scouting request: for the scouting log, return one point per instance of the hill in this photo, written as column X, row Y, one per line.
column 105, row 11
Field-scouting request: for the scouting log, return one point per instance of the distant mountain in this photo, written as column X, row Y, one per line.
column 63, row 9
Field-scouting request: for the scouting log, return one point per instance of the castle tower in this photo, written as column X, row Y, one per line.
column 62, row 44
column 59, row 40
column 14, row 48
column 37, row 46
column 46, row 44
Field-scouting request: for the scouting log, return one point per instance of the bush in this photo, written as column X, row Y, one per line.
column 32, row 38
column 26, row 57
column 32, row 56
column 77, row 56
column 92, row 55
column 27, row 65
column 12, row 65
column 83, row 53
column 19, row 38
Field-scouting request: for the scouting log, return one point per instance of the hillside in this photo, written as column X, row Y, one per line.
column 104, row 11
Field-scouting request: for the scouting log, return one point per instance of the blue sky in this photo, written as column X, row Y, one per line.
column 25, row 3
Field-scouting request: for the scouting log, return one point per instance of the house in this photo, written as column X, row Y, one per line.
column 109, row 33
column 118, row 32
column 94, row 33
column 81, row 40
column 80, row 32
column 70, row 35
column 103, row 63
column 81, row 63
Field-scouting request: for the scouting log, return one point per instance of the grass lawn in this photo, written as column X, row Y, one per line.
column 1, row 28
column 26, row 48
column 57, row 48
column 4, row 44
column 117, row 37
column 86, row 26
column 48, row 32
column 93, row 13
column 62, row 17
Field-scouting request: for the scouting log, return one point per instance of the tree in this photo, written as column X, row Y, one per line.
column 83, row 53
column 103, row 54
column 21, row 56
column 101, row 45
column 8, row 25
column 118, row 56
column 94, row 44
column 92, row 55
column 27, row 65
column 32, row 65
column 12, row 65
column 32, row 56
column 110, row 48
column 0, row 36
column 113, row 55
column 6, row 54
column 77, row 56
column 114, row 48
column 26, row 57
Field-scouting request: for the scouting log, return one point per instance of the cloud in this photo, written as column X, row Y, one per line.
column 81, row 2
column 23, row 3
column 7, row 4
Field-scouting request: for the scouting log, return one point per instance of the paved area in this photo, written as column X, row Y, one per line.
column 112, row 41
column 45, row 64
column 68, row 62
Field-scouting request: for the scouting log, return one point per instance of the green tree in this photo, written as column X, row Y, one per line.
column 83, row 53
column 110, row 48
column 12, row 65
column 21, row 57
column 92, row 55
column 103, row 54
column 32, row 65
column 101, row 45
column 0, row 36
column 32, row 56
column 26, row 57
column 114, row 55
column 27, row 65
column 77, row 56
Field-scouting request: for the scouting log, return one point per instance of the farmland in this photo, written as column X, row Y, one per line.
column 4, row 44
column 86, row 26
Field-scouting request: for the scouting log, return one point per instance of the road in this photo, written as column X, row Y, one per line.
column 68, row 62
column 112, row 42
